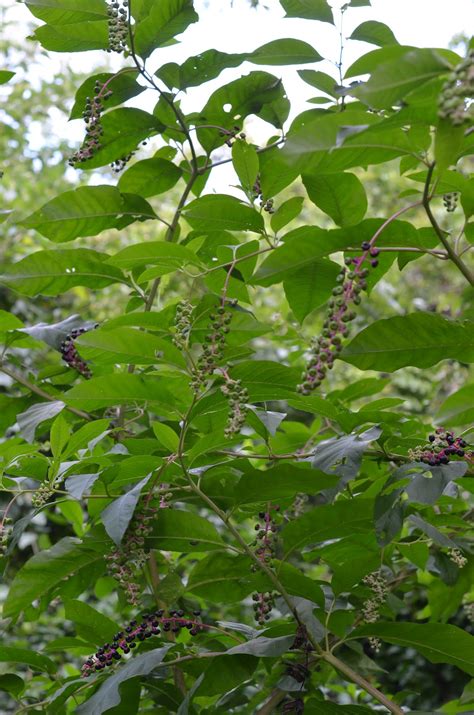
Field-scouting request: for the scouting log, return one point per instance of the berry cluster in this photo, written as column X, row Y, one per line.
column 42, row 494
column 455, row 100
column 293, row 706
column 264, row 544
column 450, row 201
column 237, row 397
column 119, row 164
column 182, row 322
column 231, row 134
column 265, row 204
column 371, row 607
column 457, row 558
column 301, row 641
column 151, row 625
column 118, row 25
column 213, row 350
column 123, row 562
column 93, row 119
column 5, row 533
column 263, row 606
column 70, row 354
column 440, row 448
column 469, row 611
column 325, row 349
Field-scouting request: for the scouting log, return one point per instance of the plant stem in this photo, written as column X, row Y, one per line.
column 458, row 262
column 359, row 680
column 38, row 391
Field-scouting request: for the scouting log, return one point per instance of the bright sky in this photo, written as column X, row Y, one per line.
column 424, row 23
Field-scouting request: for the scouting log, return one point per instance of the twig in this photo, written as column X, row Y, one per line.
column 38, row 391
column 440, row 233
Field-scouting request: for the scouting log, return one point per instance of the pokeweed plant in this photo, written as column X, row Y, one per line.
column 220, row 529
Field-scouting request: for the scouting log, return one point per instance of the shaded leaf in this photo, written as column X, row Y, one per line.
column 90, row 624
column 108, row 694
column 45, row 569
column 438, row 642
column 263, row 647
column 36, row 661
column 176, row 530
column 328, row 522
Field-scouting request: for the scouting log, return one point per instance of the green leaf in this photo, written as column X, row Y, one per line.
column 55, row 272
column 123, row 130
column 29, row 420
column 90, row 624
column 216, row 212
column 165, row 20
column 418, row 339
column 75, row 37
column 119, row 389
column 167, row 256
column 150, row 177
column 458, row 408
column 36, row 661
column 59, row 435
column 438, row 642
column 266, row 380
column 222, row 578
column 394, row 79
column 309, row 9
column 320, row 80
column 64, row 12
column 5, row 76
column 198, row 69
column 224, row 674
column 292, row 256
column 280, row 482
column 286, row 212
column 166, row 436
column 330, row 521
column 286, row 51
column 258, row 93
column 108, row 695
column 341, row 196
column 12, row 684
column 88, row 211
column 245, row 162
column 176, row 530
column 46, row 569
column 123, row 85
column 117, row 515
column 376, row 33
column 127, row 345
column 310, row 287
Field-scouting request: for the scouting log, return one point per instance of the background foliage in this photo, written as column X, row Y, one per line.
column 236, row 465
